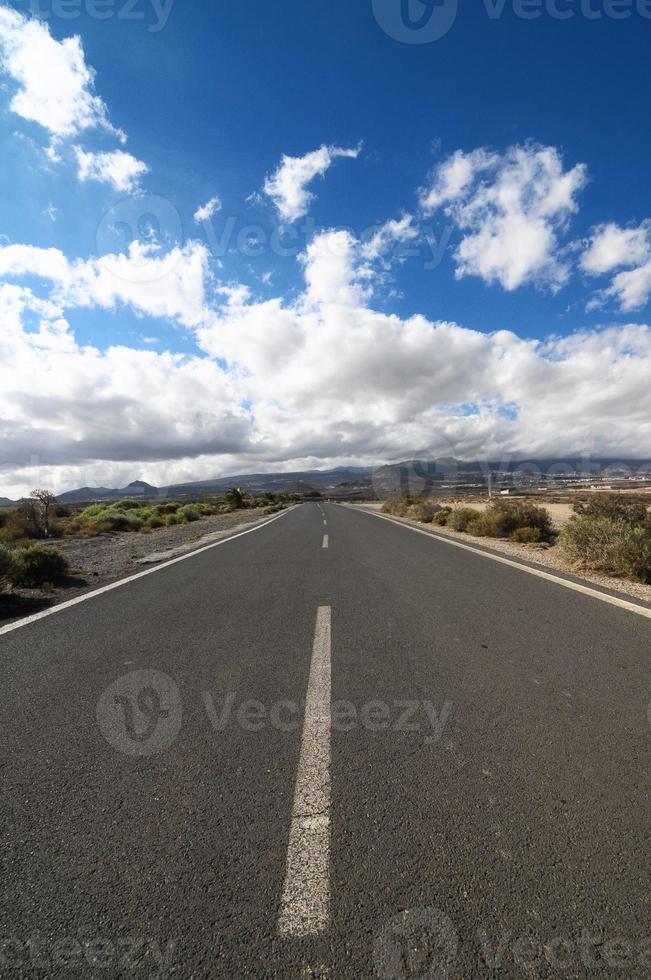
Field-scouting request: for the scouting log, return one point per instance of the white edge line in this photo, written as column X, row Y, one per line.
column 132, row 578
column 575, row 586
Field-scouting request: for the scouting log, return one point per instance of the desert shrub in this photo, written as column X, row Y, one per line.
column 169, row 508
column 118, row 522
column 423, row 511
column 461, row 517
column 156, row 521
column 442, row 516
column 614, row 547
column 481, row 526
column 172, row 519
column 92, row 529
column 34, row 567
column 398, row 505
column 189, row 513
column 127, row 505
column 18, row 524
column 6, row 563
column 503, row 517
column 527, row 535
column 613, row 506
column 89, row 512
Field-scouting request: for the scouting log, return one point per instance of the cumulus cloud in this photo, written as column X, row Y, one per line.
column 335, row 271
column 63, row 405
column 287, row 187
column 119, row 169
column 170, row 284
column 391, row 233
column 337, row 379
column 206, row 211
column 510, row 209
column 321, row 380
column 55, row 85
column 613, row 247
column 453, row 178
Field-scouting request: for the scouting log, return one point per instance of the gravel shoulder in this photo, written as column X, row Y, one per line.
column 539, row 554
column 95, row 562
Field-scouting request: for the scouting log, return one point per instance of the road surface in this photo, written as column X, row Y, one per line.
column 329, row 747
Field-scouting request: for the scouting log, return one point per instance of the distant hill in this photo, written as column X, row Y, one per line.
column 6, row 502
column 298, row 482
column 414, row 475
column 134, row 490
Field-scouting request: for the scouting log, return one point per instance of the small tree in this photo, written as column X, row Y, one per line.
column 235, row 497
column 45, row 501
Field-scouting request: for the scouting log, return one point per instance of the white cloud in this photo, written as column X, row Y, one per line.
column 287, row 186
column 384, row 238
column 630, row 289
column 334, row 270
column 612, row 247
column 55, row 85
column 170, row 285
column 331, row 378
column 325, row 379
column 453, row 178
column 63, row 405
column 510, row 209
column 206, row 211
column 119, row 169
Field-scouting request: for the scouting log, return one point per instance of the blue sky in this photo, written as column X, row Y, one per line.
column 521, row 290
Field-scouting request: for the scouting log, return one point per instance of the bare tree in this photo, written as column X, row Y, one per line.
column 45, row 500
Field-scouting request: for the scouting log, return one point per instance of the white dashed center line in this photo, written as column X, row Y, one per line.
column 305, row 908
column 325, row 540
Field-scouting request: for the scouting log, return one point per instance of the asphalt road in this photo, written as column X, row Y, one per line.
column 466, row 794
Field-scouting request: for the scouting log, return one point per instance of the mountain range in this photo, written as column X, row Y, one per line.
column 411, row 474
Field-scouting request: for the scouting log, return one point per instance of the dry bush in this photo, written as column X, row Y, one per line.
column 614, row 547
